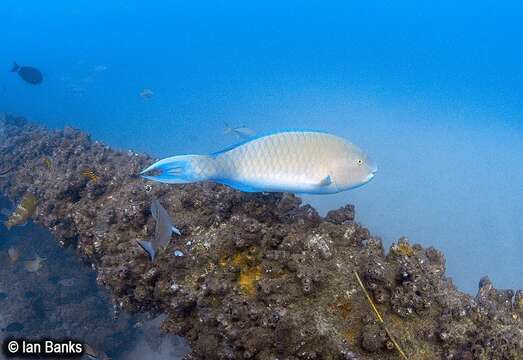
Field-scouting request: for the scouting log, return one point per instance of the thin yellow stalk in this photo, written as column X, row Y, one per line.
column 378, row 316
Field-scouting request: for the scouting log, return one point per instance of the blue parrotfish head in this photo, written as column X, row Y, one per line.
column 353, row 168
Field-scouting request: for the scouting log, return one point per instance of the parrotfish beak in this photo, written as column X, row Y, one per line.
column 373, row 168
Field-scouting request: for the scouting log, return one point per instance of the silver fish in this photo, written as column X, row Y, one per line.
column 163, row 230
column 291, row 161
column 100, row 68
column 67, row 282
column 14, row 254
column 241, row 132
column 34, row 265
column 146, row 94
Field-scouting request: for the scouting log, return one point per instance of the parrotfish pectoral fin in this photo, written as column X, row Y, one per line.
column 147, row 246
column 176, row 231
column 326, row 181
column 182, row 169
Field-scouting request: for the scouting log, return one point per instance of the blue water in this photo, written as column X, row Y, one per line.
column 433, row 92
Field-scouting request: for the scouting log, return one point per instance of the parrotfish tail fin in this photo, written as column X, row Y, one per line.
column 147, row 246
column 182, row 169
column 15, row 67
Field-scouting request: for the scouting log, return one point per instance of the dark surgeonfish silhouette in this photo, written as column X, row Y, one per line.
column 163, row 231
column 28, row 74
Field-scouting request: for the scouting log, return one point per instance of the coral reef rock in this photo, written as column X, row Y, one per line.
column 261, row 276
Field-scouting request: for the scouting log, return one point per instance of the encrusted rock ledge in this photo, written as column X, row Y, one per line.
column 261, row 277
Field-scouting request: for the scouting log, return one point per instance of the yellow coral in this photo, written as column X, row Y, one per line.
column 245, row 258
column 247, row 262
column 48, row 163
column 223, row 261
column 248, row 279
column 403, row 248
column 519, row 304
column 344, row 309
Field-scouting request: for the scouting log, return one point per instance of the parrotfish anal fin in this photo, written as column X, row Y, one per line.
column 239, row 186
column 326, row 181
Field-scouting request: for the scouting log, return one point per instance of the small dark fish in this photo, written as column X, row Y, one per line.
column 29, row 294
column 23, row 211
column 90, row 174
column 163, row 231
column 28, row 74
column 14, row 327
column 3, row 296
column 94, row 354
column 5, row 172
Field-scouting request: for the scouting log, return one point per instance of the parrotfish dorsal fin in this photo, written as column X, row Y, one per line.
column 326, row 181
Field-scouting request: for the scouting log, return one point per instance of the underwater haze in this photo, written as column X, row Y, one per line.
column 432, row 91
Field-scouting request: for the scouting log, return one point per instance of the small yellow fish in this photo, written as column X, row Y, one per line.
column 48, row 163
column 23, row 211
column 34, row 265
column 90, row 174
column 13, row 254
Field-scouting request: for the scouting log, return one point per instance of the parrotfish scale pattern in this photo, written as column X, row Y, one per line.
column 279, row 160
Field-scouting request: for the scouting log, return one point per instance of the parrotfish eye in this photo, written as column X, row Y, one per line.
column 359, row 162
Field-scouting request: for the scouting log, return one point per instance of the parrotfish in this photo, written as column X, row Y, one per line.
column 302, row 161
column 163, row 230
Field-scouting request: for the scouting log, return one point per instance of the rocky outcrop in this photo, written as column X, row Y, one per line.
column 255, row 276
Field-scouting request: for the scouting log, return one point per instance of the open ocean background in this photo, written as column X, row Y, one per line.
column 432, row 91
